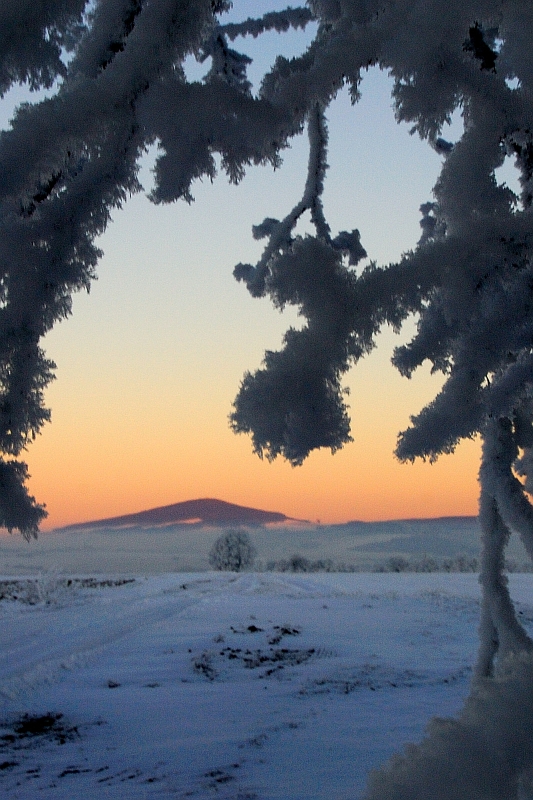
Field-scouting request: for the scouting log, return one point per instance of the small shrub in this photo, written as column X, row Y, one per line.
column 427, row 564
column 298, row 563
column 460, row 564
column 397, row 564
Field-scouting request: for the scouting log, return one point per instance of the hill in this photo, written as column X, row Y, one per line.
column 206, row 511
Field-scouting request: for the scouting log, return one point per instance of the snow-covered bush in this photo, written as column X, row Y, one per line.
column 428, row 564
column 232, row 552
column 299, row 563
column 397, row 564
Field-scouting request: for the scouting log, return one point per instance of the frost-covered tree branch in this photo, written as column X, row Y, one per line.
column 66, row 162
column 279, row 21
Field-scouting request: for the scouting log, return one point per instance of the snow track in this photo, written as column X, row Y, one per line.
column 64, row 635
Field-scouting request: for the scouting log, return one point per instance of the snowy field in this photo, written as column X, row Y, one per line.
column 185, row 548
column 216, row 685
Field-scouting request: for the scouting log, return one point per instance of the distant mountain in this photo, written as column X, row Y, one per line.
column 202, row 512
column 420, row 521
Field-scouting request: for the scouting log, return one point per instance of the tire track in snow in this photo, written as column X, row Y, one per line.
column 44, row 642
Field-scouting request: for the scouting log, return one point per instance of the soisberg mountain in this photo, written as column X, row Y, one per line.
column 206, row 511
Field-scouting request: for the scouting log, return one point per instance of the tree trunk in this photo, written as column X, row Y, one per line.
column 486, row 753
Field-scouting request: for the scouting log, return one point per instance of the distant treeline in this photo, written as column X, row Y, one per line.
column 461, row 563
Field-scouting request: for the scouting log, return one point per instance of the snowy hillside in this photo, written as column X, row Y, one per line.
column 255, row 686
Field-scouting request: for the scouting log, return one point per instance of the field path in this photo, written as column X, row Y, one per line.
column 39, row 642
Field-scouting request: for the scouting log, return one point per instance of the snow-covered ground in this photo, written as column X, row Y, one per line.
column 215, row 685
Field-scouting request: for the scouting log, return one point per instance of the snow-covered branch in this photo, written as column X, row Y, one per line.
column 279, row 21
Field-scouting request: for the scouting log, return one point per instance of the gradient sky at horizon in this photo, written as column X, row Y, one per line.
column 150, row 361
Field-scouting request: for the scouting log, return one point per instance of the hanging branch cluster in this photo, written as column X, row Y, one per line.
column 295, row 404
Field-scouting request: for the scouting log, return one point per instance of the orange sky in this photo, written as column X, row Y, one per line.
column 109, row 451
